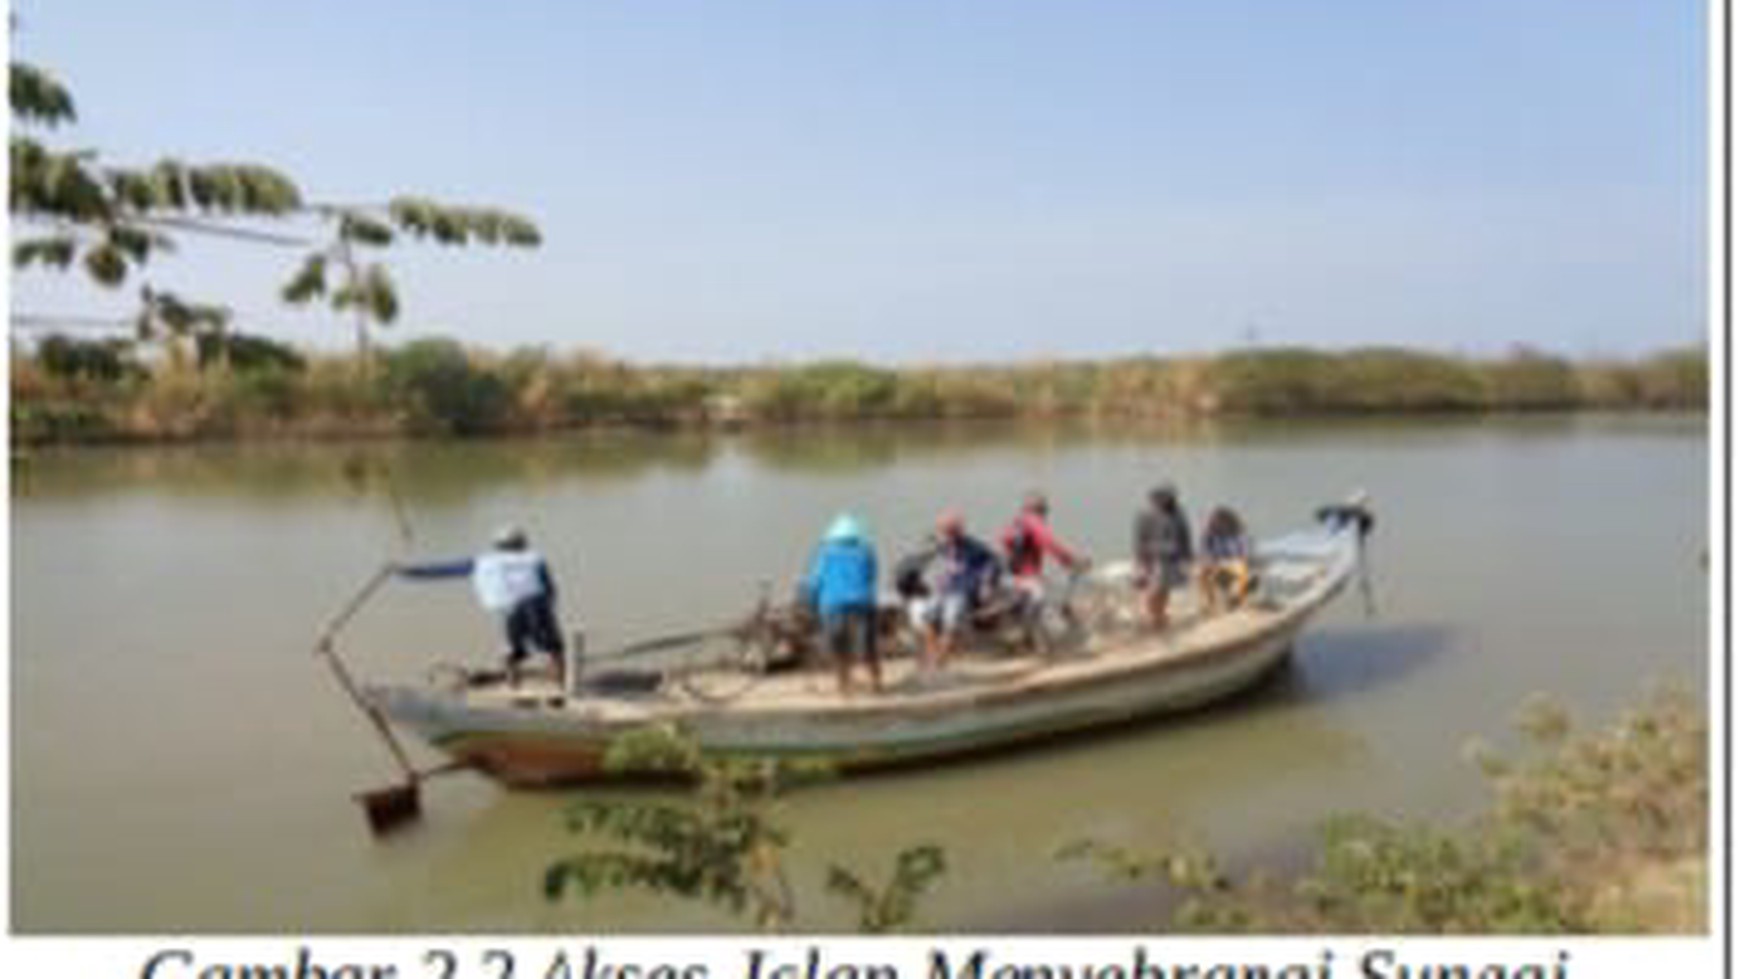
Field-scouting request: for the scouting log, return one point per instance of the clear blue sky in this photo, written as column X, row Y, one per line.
column 918, row 180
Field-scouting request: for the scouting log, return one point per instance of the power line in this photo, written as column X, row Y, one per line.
column 198, row 226
column 47, row 321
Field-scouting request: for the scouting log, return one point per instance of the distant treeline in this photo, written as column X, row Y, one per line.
column 69, row 389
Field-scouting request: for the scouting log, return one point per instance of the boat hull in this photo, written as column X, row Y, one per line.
column 520, row 753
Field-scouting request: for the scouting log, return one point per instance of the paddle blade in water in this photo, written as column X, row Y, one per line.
column 391, row 807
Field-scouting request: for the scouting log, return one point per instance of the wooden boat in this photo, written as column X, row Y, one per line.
column 538, row 733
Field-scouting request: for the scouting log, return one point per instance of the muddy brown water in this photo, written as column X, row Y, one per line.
column 181, row 763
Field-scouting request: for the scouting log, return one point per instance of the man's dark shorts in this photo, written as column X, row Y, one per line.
column 850, row 633
column 532, row 623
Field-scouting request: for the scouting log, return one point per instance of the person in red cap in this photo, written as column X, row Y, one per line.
column 969, row 571
column 1026, row 543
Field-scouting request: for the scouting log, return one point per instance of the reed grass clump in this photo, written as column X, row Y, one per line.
column 1299, row 380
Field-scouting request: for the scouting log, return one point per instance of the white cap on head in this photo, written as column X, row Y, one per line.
column 509, row 537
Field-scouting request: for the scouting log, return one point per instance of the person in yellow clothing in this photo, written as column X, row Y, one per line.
column 1224, row 575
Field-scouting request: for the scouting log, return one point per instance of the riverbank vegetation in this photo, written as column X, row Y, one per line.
column 1602, row 831
column 225, row 386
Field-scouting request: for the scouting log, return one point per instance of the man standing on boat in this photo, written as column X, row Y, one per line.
column 841, row 587
column 513, row 581
column 1027, row 542
column 1163, row 551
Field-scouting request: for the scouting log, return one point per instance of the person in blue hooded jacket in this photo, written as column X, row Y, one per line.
column 513, row 582
column 841, row 587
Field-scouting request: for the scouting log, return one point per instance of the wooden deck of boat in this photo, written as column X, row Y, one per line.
column 971, row 673
column 977, row 671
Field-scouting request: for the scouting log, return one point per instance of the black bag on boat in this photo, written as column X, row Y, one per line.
column 619, row 682
column 909, row 575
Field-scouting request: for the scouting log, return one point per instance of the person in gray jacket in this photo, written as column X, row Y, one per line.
column 1162, row 551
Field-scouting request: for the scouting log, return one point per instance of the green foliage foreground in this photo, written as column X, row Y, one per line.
column 70, row 207
column 721, row 845
column 1597, row 832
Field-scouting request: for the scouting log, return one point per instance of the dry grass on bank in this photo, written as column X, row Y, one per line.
column 72, row 391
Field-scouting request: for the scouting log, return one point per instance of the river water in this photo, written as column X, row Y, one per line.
column 181, row 763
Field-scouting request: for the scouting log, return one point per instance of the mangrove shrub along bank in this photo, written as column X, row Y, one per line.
column 1592, row 831
column 73, row 390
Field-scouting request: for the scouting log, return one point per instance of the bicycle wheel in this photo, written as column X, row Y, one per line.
column 721, row 668
column 1103, row 609
column 1051, row 628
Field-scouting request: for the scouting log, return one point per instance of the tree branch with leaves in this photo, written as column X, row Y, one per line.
column 722, row 845
column 112, row 220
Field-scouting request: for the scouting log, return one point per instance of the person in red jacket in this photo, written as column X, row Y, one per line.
column 1027, row 542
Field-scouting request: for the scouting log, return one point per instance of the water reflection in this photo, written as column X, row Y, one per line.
column 445, row 472
column 839, row 449
column 1333, row 665
column 429, row 472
